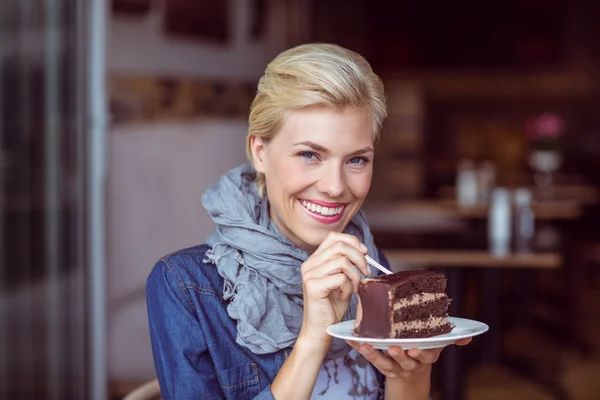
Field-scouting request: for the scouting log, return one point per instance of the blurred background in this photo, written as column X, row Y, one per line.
column 115, row 116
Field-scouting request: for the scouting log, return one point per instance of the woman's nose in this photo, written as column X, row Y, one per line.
column 332, row 182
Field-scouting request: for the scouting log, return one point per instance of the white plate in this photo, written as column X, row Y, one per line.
column 463, row 328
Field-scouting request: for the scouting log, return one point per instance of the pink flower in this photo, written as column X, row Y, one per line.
column 547, row 125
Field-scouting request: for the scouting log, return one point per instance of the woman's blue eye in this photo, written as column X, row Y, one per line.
column 308, row 155
column 358, row 160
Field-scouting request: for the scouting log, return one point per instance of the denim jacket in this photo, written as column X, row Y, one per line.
column 193, row 337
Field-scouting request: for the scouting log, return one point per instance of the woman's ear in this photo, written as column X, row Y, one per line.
column 258, row 148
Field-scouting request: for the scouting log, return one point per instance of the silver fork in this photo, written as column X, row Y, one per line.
column 375, row 264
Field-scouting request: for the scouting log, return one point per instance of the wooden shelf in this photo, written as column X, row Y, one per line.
column 470, row 259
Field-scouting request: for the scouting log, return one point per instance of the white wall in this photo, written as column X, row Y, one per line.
column 138, row 45
column 157, row 174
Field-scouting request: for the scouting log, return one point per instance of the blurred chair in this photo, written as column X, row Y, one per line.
column 148, row 391
column 586, row 260
column 588, row 254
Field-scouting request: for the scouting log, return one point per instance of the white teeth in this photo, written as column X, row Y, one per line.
column 320, row 209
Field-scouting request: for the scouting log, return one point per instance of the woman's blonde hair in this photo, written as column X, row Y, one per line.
column 313, row 75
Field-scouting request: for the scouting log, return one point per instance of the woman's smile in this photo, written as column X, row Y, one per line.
column 322, row 211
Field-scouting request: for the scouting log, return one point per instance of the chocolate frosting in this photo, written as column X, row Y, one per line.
column 377, row 294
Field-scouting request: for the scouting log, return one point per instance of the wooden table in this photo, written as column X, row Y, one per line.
column 471, row 259
column 453, row 262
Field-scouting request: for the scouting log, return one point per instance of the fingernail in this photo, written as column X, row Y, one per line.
column 363, row 248
column 367, row 351
column 393, row 352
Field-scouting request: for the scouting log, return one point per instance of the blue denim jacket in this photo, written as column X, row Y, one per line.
column 193, row 337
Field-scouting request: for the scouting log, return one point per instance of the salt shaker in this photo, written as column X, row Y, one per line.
column 486, row 180
column 524, row 221
column 499, row 222
column 466, row 184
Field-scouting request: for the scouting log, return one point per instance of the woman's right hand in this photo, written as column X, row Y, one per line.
column 329, row 278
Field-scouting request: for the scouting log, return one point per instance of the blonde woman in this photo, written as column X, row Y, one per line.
column 244, row 315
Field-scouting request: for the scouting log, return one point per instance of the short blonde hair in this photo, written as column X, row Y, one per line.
column 313, row 75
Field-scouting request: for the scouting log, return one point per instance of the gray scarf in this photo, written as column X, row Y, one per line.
column 261, row 266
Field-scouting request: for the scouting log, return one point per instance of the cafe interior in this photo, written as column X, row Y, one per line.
column 488, row 170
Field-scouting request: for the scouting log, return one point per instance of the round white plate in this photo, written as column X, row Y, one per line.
column 463, row 328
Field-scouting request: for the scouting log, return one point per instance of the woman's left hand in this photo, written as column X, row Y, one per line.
column 398, row 363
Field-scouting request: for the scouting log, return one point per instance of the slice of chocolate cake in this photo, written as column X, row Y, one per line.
column 408, row 304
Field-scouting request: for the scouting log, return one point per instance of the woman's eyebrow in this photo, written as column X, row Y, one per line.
column 364, row 150
column 313, row 146
column 322, row 149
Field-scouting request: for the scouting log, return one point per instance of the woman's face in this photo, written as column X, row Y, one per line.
column 318, row 170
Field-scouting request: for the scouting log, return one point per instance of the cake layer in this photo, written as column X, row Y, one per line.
column 421, row 298
column 427, row 284
column 423, row 332
column 438, row 308
column 430, row 322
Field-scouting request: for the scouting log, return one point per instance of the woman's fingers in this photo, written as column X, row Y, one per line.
column 335, row 250
column 385, row 364
column 334, row 237
column 321, row 288
column 399, row 355
column 398, row 362
column 339, row 265
column 425, row 356
column 346, row 289
column 395, row 361
column 463, row 342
